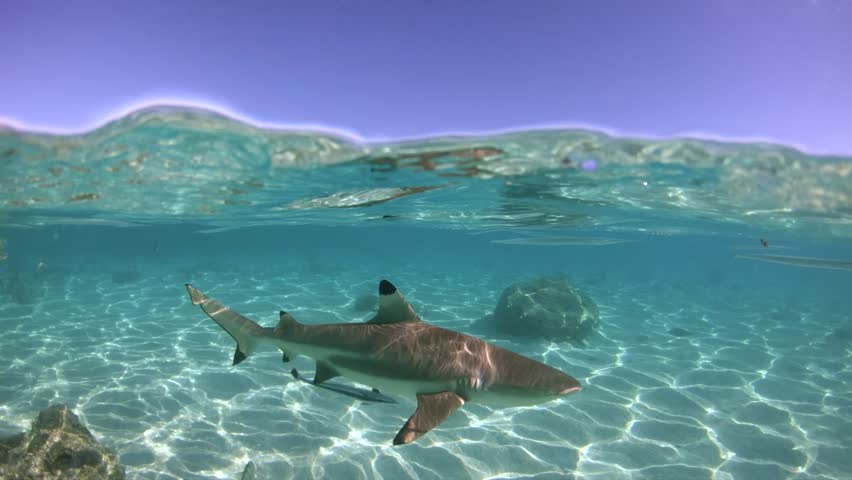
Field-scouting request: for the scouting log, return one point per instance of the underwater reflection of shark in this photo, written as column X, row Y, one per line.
column 806, row 262
column 763, row 248
column 542, row 241
column 398, row 353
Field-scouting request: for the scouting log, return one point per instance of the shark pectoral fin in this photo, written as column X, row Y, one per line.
column 239, row 356
column 432, row 409
column 324, row 372
column 392, row 306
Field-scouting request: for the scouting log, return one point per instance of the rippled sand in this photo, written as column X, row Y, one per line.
column 746, row 390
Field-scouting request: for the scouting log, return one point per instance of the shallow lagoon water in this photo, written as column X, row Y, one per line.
column 706, row 364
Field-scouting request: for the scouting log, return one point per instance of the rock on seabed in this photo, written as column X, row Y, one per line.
column 57, row 447
column 546, row 307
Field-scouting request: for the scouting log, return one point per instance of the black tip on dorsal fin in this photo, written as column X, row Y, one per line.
column 238, row 356
column 392, row 306
column 285, row 320
column 386, row 288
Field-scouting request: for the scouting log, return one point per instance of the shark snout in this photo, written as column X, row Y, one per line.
column 564, row 384
column 571, row 389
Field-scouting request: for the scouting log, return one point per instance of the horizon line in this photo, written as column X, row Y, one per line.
column 352, row 135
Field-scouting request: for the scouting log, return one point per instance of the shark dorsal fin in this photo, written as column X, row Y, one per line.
column 392, row 306
column 285, row 321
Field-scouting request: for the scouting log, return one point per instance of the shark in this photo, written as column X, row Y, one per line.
column 398, row 353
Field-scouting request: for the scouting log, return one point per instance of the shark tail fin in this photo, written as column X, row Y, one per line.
column 246, row 332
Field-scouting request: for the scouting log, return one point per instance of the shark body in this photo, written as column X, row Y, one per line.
column 398, row 353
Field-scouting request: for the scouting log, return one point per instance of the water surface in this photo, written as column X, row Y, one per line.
column 717, row 357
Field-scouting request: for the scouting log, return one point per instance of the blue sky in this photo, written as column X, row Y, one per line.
column 778, row 69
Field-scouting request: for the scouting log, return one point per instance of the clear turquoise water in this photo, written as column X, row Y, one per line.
column 120, row 218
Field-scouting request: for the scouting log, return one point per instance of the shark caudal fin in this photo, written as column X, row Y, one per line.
column 246, row 332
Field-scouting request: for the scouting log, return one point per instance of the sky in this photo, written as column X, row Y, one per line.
column 742, row 69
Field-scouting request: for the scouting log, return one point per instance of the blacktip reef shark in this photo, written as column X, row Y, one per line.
column 398, row 353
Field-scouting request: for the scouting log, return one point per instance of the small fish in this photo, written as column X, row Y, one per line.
column 805, row 262
column 764, row 243
column 370, row 396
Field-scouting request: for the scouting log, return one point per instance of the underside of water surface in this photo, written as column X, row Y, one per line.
column 721, row 272
column 176, row 165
